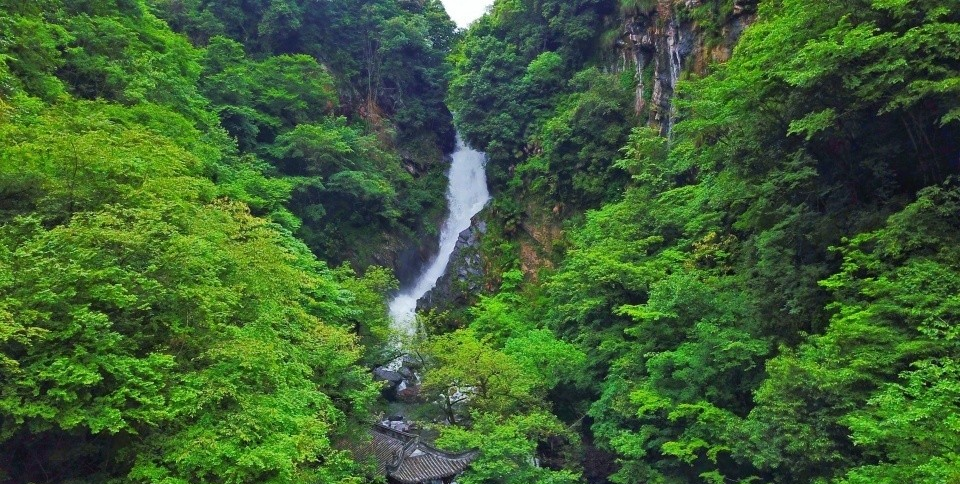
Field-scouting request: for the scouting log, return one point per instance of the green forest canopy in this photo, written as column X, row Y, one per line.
column 163, row 199
column 769, row 295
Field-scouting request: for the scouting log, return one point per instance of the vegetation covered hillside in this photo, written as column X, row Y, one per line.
column 164, row 317
column 725, row 239
column 766, row 291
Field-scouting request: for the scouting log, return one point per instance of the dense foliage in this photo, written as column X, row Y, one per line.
column 160, row 322
column 773, row 296
column 121, row 52
column 767, row 294
column 494, row 379
column 523, row 93
column 387, row 54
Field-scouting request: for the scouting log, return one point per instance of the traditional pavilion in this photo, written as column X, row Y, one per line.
column 404, row 459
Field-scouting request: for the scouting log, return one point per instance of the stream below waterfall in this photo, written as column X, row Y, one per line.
column 467, row 194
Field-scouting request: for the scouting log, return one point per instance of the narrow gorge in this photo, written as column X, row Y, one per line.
column 512, row 242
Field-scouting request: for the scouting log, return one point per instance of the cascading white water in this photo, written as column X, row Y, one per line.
column 674, row 38
column 466, row 194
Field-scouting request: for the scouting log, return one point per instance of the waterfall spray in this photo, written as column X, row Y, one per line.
column 466, row 194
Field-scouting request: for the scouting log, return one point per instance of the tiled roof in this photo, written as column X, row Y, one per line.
column 405, row 459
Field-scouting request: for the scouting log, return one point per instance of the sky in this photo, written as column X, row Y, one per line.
column 465, row 11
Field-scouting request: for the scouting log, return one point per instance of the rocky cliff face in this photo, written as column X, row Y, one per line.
column 662, row 42
column 674, row 37
column 407, row 253
column 463, row 280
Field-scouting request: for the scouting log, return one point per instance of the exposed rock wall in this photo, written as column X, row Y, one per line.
column 407, row 254
column 664, row 42
column 463, row 280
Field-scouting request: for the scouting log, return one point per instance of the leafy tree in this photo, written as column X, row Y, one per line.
column 138, row 304
column 507, row 448
column 893, row 295
column 501, row 393
column 511, row 67
column 911, row 424
column 30, row 46
column 469, row 373
column 715, row 352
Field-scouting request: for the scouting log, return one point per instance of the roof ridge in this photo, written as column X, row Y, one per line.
column 407, row 459
column 451, row 455
column 411, row 438
column 385, row 429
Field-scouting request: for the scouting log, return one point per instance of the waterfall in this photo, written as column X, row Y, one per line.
column 466, row 194
column 674, row 38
